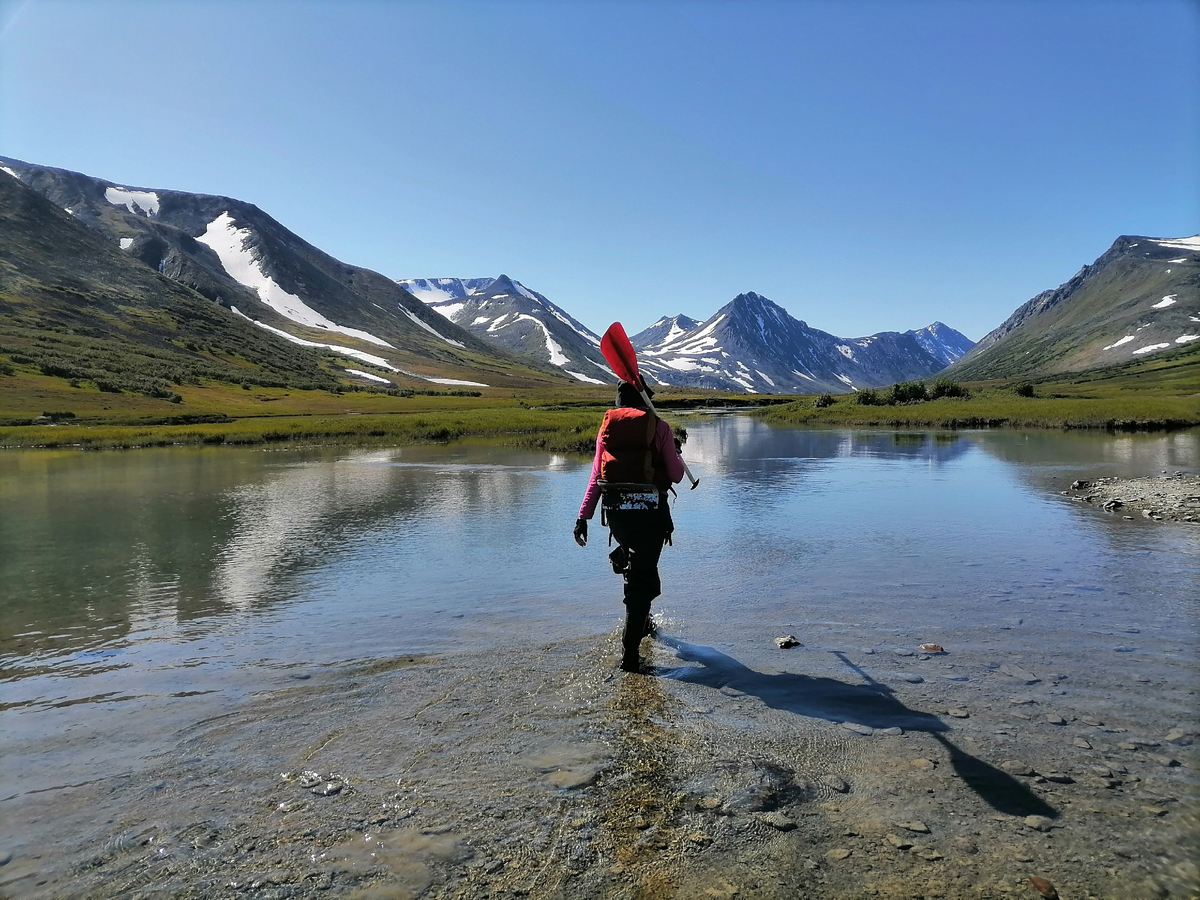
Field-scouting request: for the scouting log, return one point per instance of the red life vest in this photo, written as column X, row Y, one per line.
column 627, row 451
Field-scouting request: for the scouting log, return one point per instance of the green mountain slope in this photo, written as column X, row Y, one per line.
column 238, row 256
column 1140, row 298
column 74, row 305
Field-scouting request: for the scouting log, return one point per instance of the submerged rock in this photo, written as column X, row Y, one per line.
column 1038, row 823
column 779, row 821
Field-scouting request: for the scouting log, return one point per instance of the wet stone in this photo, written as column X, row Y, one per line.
column 1043, row 887
column 779, row 821
column 1058, row 778
column 1038, row 823
column 1016, row 767
column 1018, row 673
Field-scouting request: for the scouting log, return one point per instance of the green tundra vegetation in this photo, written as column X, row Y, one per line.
column 43, row 406
column 1157, row 393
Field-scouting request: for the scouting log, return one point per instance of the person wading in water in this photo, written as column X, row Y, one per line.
column 637, row 461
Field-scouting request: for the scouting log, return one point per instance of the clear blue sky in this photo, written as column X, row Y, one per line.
column 867, row 165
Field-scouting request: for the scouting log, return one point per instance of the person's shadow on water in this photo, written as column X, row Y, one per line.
column 871, row 703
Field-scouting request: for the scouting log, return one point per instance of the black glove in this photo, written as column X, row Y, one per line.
column 679, row 446
column 581, row 532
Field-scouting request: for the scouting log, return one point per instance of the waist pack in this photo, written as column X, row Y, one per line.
column 623, row 495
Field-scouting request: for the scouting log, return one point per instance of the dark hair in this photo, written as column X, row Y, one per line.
column 629, row 397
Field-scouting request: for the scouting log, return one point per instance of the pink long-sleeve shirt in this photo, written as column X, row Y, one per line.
column 664, row 442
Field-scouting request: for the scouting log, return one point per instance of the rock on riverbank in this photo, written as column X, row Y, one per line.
column 1167, row 498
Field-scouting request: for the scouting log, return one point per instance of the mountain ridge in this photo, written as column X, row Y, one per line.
column 232, row 252
column 1139, row 297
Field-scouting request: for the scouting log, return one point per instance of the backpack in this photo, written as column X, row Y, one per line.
column 627, row 448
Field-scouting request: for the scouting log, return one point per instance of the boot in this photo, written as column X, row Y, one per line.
column 651, row 630
column 637, row 617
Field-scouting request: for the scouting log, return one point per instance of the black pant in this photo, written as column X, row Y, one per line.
column 642, row 532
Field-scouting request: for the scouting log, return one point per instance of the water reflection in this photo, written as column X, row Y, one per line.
column 737, row 444
column 136, row 581
column 101, row 546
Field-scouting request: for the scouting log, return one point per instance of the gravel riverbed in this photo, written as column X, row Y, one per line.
column 1166, row 497
column 543, row 772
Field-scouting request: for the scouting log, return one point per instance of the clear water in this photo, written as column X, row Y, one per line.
column 143, row 592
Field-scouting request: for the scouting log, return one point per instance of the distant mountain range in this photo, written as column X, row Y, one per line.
column 233, row 253
column 1141, row 297
column 194, row 283
column 511, row 315
column 750, row 344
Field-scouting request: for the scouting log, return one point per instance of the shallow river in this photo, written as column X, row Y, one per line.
column 144, row 592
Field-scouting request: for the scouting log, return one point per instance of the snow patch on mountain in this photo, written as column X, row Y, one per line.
column 430, row 328
column 557, row 357
column 434, row 290
column 367, row 375
column 456, row 381
column 126, row 243
column 1184, row 243
column 336, row 348
column 142, row 203
column 229, row 243
column 1150, row 348
column 1118, row 343
column 1164, row 302
column 582, row 377
column 10, row 172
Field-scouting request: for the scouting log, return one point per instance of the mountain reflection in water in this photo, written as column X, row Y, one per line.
column 183, row 579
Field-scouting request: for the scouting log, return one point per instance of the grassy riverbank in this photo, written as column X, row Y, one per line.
column 558, row 420
column 996, row 409
column 1148, row 395
column 1151, row 395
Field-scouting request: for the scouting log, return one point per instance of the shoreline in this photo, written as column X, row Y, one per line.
column 1167, row 497
column 557, row 430
column 542, row 771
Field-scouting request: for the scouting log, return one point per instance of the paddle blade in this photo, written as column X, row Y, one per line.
column 618, row 350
